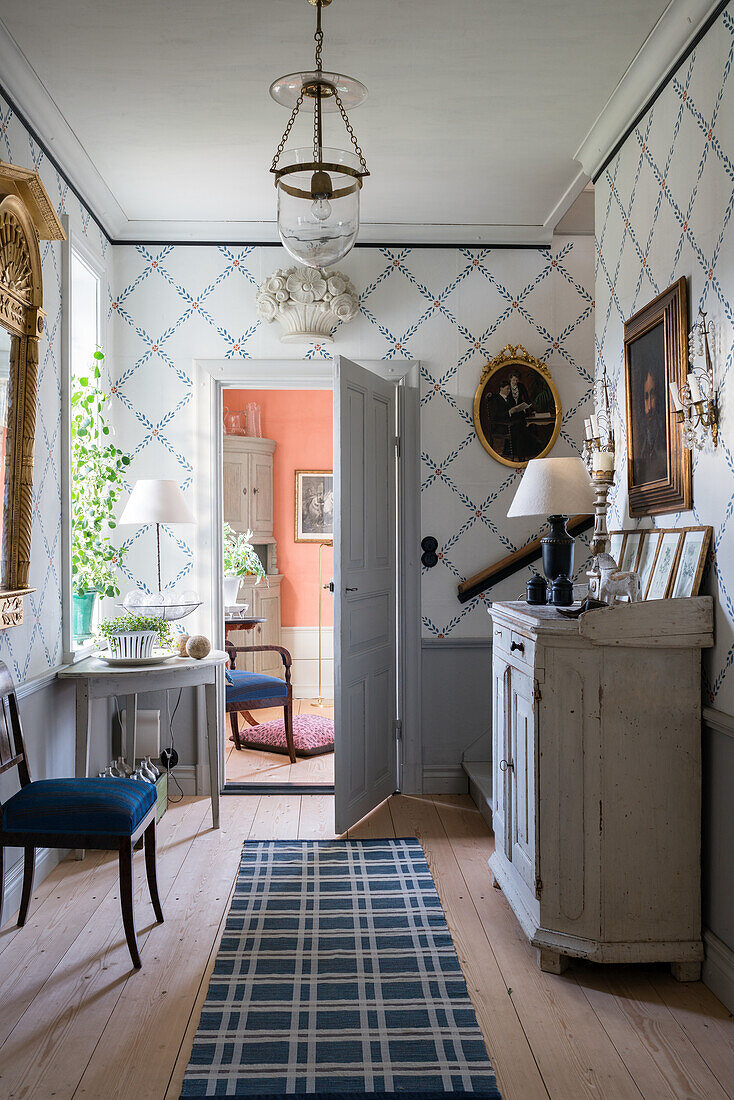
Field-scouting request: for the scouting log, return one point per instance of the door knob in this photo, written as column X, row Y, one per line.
column 255, row 489
column 507, row 766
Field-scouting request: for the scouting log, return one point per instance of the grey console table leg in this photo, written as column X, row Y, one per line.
column 212, row 735
column 131, row 729
column 83, row 722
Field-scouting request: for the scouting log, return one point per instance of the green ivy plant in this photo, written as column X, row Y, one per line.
column 97, row 468
column 240, row 558
column 136, row 624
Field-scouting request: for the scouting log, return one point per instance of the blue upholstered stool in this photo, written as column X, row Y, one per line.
column 103, row 814
column 248, row 691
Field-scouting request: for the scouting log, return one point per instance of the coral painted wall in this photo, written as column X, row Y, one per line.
column 300, row 422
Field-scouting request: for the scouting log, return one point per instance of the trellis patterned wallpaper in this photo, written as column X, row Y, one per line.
column 36, row 646
column 664, row 209
column 451, row 308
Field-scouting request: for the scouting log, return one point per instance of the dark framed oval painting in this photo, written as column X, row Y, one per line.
column 517, row 409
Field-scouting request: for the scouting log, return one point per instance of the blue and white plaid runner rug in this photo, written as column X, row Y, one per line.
column 337, row 978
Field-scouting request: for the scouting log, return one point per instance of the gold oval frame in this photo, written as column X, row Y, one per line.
column 515, row 356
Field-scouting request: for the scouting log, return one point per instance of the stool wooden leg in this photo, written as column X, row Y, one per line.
column 29, row 869
column 150, row 870
column 126, row 899
column 288, row 709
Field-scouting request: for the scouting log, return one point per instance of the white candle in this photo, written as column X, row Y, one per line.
column 694, row 387
column 603, row 462
column 595, row 426
column 588, row 429
column 677, row 403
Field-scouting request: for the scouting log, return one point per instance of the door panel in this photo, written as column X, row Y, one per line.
column 234, row 493
column 522, row 743
column 365, row 591
column 267, row 602
column 500, row 752
column 261, row 502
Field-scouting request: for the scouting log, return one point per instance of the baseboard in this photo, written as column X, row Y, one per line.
column 46, row 860
column 311, row 691
column 444, row 779
column 192, row 778
column 718, row 968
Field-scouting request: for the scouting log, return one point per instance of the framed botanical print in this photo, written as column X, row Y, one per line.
column 664, row 568
column 517, row 409
column 656, row 354
column 631, row 550
column 314, row 506
column 691, row 561
column 646, row 560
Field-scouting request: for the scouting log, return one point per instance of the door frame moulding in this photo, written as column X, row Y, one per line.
column 211, row 378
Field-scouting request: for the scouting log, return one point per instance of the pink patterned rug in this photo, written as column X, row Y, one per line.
column 312, row 735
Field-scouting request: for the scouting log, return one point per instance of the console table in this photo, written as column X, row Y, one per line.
column 95, row 679
column 596, row 773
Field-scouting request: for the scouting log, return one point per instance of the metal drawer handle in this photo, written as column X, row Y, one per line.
column 519, row 646
column 255, row 489
column 507, row 766
column 351, row 590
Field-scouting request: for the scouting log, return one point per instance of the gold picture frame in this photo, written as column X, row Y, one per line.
column 659, row 476
column 314, row 506
column 517, row 408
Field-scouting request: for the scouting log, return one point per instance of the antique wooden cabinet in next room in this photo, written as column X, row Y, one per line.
column 597, row 779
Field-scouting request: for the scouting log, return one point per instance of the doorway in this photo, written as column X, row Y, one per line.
column 277, row 490
column 377, row 632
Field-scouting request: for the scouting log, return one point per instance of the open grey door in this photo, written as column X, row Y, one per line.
column 365, row 573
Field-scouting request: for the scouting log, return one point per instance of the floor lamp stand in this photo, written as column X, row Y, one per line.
column 320, row 703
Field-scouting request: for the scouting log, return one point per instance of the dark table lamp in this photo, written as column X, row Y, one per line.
column 556, row 488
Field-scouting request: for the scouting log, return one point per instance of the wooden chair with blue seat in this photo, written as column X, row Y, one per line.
column 248, row 691
column 102, row 814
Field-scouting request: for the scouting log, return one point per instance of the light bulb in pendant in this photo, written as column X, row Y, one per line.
column 321, row 192
column 321, row 209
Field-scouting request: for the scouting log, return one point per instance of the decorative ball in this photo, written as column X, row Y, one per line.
column 183, row 639
column 198, row 646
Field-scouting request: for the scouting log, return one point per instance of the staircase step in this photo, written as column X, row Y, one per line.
column 479, row 773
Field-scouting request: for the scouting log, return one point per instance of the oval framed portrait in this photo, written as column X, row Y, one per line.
column 517, row 409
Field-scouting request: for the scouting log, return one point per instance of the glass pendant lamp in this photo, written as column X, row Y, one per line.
column 318, row 187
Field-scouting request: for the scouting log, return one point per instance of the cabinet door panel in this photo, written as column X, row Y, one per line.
column 267, row 604
column 522, row 745
column 235, row 493
column 500, row 752
column 261, row 490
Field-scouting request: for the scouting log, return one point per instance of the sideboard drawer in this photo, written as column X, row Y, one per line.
column 522, row 649
column 502, row 636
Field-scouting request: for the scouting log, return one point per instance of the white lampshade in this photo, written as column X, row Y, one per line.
column 554, row 486
column 156, row 500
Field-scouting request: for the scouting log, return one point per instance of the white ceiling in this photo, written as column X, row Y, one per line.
column 476, row 107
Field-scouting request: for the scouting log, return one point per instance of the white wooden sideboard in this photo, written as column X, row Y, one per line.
column 597, row 779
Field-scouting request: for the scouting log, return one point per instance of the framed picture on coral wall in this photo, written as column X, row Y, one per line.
column 656, row 354
column 314, row 506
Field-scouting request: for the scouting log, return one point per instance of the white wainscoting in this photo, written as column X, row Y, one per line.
column 302, row 642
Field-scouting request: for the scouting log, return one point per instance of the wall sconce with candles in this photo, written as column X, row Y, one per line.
column 696, row 405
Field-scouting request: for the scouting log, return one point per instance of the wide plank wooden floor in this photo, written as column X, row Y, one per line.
column 254, row 766
column 77, row 1021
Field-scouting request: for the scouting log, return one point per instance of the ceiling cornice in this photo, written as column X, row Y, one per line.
column 36, row 108
column 667, row 44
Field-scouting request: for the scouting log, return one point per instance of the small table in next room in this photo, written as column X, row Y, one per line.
column 95, row 679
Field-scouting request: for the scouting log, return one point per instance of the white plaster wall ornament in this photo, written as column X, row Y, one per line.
column 308, row 302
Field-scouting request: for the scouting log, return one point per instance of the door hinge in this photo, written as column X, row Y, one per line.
column 538, row 886
column 537, row 693
column 398, row 729
column 397, row 446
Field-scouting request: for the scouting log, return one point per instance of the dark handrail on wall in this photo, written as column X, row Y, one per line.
column 514, row 562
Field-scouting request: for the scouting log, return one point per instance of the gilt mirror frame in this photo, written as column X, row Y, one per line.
column 26, row 215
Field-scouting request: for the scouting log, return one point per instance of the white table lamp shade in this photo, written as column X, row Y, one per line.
column 554, row 486
column 156, row 500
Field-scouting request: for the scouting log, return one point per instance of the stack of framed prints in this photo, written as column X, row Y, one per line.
column 669, row 562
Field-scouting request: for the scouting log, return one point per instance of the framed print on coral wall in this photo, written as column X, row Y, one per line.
column 656, row 354
column 314, row 506
column 517, row 409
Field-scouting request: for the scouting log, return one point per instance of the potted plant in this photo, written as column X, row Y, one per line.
column 240, row 560
column 97, row 468
column 133, row 636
